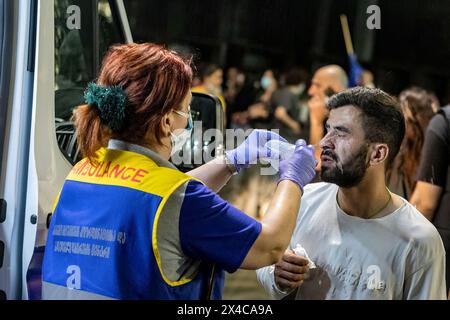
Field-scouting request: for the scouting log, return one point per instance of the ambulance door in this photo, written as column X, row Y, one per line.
column 72, row 37
column 18, row 183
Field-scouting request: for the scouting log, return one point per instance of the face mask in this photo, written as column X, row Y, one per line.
column 266, row 82
column 180, row 139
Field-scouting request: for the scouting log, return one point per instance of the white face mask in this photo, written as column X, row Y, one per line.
column 179, row 140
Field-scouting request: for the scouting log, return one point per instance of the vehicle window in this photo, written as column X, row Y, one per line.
column 81, row 40
column 110, row 32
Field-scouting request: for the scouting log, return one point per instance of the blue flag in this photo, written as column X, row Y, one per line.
column 355, row 71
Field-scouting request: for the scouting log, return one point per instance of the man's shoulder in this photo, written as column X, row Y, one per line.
column 425, row 245
column 418, row 229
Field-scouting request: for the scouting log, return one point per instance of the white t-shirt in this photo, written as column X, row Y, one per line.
column 398, row 256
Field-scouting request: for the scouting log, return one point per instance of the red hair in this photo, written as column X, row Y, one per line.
column 155, row 81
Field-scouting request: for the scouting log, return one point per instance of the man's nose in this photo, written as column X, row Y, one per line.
column 326, row 142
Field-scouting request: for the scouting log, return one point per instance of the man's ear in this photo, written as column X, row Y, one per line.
column 379, row 153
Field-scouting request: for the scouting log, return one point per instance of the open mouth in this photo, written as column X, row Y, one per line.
column 326, row 158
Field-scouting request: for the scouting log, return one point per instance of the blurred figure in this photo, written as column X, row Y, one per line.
column 239, row 94
column 327, row 81
column 431, row 195
column 285, row 104
column 268, row 84
column 417, row 108
column 251, row 105
column 234, row 84
column 211, row 77
column 259, row 112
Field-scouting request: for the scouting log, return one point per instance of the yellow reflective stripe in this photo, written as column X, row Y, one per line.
column 127, row 169
column 155, row 244
column 56, row 202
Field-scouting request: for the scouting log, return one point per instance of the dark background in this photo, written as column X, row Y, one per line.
column 411, row 48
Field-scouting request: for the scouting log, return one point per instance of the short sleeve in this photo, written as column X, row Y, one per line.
column 435, row 153
column 427, row 283
column 213, row 230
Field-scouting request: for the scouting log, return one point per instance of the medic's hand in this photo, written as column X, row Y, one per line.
column 291, row 271
column 253, row 149
column 300, row 167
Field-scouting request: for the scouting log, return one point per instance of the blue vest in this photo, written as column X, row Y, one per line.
column 102, row 242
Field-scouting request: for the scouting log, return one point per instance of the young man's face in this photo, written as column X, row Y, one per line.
column 344, row 149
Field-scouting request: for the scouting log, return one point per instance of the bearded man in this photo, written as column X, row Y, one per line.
column 365, row 242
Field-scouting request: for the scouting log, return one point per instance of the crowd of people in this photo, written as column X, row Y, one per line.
column 419, row 173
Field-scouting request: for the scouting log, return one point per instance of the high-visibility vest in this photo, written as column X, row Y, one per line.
column 103, row 238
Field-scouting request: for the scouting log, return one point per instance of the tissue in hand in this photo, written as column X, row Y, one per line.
column 300, row 251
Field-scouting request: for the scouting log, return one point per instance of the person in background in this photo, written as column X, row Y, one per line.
column 235, row 81
column 431, row 195
column 285, row 104
column 327, row 80
column 259, row 112
column 211, row 79
column 416, row 106
column 365, row 241
column 239, row 95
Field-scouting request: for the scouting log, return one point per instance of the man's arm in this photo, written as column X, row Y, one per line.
column 432, row 171
column 282, row 115
column 317, row 115
column 426, row 198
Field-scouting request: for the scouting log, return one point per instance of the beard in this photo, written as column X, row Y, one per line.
column 348, row 174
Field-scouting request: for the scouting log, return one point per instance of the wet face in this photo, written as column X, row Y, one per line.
column 344, row 149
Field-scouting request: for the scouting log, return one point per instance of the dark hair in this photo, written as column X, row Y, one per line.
column 416, row 104
column 155, row 81
column 295, row 76
column 382, row 118
column 205, row 70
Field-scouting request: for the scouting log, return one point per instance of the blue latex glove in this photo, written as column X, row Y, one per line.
column 300, row 167
column 253, row 149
